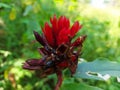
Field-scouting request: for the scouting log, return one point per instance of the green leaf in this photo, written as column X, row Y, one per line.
column 3, row 5
column 27, row 10
column 99, row 69
column 78, row 86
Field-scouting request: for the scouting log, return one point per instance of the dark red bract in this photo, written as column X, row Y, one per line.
column 58, row 51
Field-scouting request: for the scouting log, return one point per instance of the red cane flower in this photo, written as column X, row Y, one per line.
column 58, row 50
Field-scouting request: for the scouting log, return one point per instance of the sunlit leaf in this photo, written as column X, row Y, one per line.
column 5, row 53
column 36, row 7
column 27, row 10
column 28, row 2
column 78, row 86
column 3, row 5
column 99, row 69
column 6, row 74
column 12, row 15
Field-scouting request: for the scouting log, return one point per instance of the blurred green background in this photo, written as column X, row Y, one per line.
column 18, row 19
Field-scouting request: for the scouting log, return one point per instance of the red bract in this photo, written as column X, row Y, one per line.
column 58, row 51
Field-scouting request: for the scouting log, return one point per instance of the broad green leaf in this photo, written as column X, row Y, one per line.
column 98, row 69
column 78, row 86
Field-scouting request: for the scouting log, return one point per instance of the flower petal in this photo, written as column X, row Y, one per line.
column 33, row 64
column 54, row 23
column 78, row 41
column 48, row 34
column 63, row 22
column 67, row 23
column 63, row 36
column 74, row 29
column 39, row 38
column 42, row 51
column 55, row 29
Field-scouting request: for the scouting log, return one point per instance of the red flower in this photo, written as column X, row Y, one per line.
column 58, row 51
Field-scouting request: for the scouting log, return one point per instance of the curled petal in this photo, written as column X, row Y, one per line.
column 79, row 41
column 27, row 66
column 39, row 38
column 74, row 29
column 33, row 64
column 42, row 51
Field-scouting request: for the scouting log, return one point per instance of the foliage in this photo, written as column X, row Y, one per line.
column 100, row 69
column 18, row 19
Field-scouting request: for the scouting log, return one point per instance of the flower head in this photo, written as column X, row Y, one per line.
column 58, row 51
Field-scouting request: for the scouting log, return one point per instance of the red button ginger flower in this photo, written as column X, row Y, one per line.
column 58, row 49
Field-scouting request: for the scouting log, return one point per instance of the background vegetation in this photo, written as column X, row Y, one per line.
column 18, row 19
